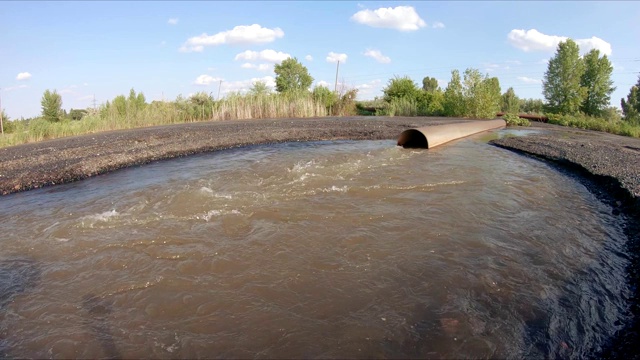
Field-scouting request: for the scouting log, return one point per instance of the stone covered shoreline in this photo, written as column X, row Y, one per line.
column 608, row 164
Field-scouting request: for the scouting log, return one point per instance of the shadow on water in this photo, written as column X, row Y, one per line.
column 99, row 310
column 17, row 276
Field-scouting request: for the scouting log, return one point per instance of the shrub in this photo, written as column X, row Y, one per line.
column 515, row 120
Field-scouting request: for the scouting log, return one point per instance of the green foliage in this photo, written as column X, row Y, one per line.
column 430, row 103
column 430, row 84
column 631, row 107
column 291, row 75
column 586, row 122
column 481, row 95
column 324, row 96
column 259, row 88
column 510, row 102
column 596, row 80
column 7, row 125
column 51, row 106
column 531, row 106
column 515, row 120
column 400, row 88
column 346, row 103
column 454, row 103
column 561, row 86
column 77, row 114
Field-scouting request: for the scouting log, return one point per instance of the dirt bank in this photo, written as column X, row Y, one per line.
column 608, row 164
column 35, row 165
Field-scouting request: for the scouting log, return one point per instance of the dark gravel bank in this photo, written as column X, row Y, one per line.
column 608, row 164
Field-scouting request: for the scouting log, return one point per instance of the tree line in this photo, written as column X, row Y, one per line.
column 573, row 85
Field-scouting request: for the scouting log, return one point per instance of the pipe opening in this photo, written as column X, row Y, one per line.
column 413, row 139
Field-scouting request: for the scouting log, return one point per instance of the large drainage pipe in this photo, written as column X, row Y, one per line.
column 431, row 136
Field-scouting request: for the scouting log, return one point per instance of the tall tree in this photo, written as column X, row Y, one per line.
column 401, row 88
column 510, row 102
column 51, row 106
column 597, row 82
column 631, row 107
column 430, row 84
column 561, row 86
column 291, row 75
column 453, row 102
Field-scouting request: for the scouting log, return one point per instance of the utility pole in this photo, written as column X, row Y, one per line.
column 219, row 87
column 336, row 87
column 1, row 125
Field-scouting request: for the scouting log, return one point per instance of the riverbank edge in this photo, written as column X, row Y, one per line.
column 595, row 158
column 611, row 190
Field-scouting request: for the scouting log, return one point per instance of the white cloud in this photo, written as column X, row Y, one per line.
column 368, row 89
column 377, row 55
column 533, row 40
column 259, row 67
column 437, row 25
column 245, row 85
column 206, row 80
column 528, row 80
column 587, row 45
column 23, row 76
column 308, row 58
column 264, row 55
column 403, row 18
column 322, row 83
column 172, row 21
column 335, row 57
column 242, row 34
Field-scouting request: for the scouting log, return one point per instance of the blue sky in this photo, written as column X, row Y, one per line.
column 163, row 49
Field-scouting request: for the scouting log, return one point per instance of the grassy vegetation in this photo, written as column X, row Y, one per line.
column 515, row 120
column 123, row 113
column 619, row 127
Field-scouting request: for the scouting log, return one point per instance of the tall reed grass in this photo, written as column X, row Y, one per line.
column 128, row 115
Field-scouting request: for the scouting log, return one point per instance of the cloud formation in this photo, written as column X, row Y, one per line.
column 242, row 34
column 205, row 80
column 335, row 57
column 264, row 55
column 308, row 58
column 23, row 76
column 377, row 55
column 172, row 21
column 533, row 40
column 402, row 18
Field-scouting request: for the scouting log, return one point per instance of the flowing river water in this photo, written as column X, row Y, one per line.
column 303, row 250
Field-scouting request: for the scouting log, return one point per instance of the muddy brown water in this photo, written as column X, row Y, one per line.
column 306, row 250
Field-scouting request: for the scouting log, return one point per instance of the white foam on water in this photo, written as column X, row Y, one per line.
column 91, row 220
column 216, row 213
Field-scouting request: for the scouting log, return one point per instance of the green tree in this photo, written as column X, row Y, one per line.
column 51, row 106
column 430, row 103
column 531, row 106
column 596, row 79
column 326, row 97
column 259, row 88
column 481, row 95
column 453, row 102
column 561, row 86
column 631, row 107
column 7, row 124
column 292, row 76
column 510, row 102
column 77, row 114
column 430, row 84
column 400, row 88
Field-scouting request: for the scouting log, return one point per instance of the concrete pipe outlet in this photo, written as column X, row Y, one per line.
column 431, row 136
